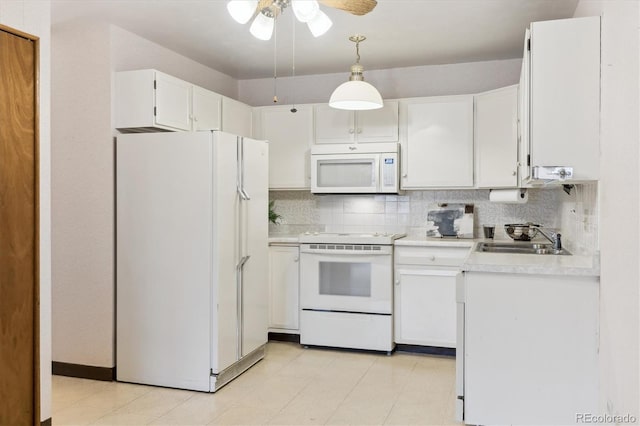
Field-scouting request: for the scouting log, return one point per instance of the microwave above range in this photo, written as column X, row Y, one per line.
column 371, row 168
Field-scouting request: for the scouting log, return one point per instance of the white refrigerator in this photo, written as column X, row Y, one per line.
column 191, row 253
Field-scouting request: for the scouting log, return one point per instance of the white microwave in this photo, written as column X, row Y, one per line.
column 370, row 168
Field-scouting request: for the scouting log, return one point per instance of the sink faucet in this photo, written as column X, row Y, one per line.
column 552, row 236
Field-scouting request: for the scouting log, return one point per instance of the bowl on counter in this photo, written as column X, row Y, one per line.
column 521, row 231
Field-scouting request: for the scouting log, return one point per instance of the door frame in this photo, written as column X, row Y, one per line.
column 36, row 189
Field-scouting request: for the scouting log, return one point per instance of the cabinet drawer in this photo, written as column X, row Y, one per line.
column 431, row 255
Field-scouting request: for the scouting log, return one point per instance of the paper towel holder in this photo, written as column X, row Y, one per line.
column 508, row 196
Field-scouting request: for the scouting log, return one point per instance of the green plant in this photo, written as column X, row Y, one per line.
column 273, row 216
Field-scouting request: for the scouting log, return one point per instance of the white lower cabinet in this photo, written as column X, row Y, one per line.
column 425, row 294
column 284, row 279
column 530, row 348
column 425, row 311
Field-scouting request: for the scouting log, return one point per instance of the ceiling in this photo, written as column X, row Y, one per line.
column 400, row 33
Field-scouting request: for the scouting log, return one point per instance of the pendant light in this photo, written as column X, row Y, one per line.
column 356, row 94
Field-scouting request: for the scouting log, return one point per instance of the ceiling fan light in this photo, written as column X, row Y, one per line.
column 242, row 10
column 320, row 24
column 262, row 27
column 305, row 10
column 355, row 95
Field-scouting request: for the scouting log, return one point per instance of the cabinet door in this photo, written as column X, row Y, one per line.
column 283, row 287
column 289, row 135
column 334, row 125
column 496, row 138
column 437, row 147
column 206, row 106
column 425, row 307
column 524, row 169
column 531, row 348
column 378, row 125
column 565, row 95
column 236, row 117
column 135, row 99
column 173, row 102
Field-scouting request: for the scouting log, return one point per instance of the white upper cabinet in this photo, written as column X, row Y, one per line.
column 206, row 109
column 496, row 138
column 340, row 126
column 524, row 171
column 437, row 142
column 564, row 96
column 172, row 102
column 149, row 100
column 236, row 117
column 290, row 136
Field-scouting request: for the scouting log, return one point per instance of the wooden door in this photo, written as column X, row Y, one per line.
column 19, row 372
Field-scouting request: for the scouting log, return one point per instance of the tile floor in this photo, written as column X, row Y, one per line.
column 291, row 386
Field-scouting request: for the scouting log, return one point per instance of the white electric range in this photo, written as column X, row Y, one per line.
column 346, row 289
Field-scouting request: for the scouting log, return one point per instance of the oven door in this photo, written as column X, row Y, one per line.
column 345, row 173
column 346, row 278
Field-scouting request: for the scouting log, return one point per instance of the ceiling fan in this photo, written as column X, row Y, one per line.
column 308, row 11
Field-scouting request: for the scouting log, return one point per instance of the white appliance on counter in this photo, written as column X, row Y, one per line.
column 346, row 290
column 192, row 245
column 369, row 168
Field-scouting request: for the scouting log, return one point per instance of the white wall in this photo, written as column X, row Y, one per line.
column 85, row 55
column 82, row 196
column 131, row 52
column 34, row 17
column 433, row 80
column 619, row 204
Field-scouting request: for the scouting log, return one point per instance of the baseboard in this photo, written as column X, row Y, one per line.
column 46, row 422
column 83, row 371
column 284, row 337
column 429, row 350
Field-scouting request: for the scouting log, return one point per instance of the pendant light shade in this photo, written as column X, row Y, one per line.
column 242, row 10
column 356, row 94
column 262, row 27
column 305, row 10
column 320, row 24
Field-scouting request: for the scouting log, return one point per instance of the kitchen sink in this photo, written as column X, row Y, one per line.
column 521, row 248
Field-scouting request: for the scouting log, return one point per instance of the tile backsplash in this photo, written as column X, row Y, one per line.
column 579, row 219
column 551, row 207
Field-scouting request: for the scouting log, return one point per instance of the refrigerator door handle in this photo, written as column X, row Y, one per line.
column 243, row 194
column 239, row 310
column 242, row 262
column 240, row 304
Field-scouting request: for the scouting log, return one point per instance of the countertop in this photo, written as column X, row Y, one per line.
column 418, row 240
column 506, row 263
column 532, row 264
column 510, row 263
column 283, row 239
